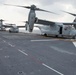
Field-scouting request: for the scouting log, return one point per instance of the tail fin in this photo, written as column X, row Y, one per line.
column 72, row 15
column 74, row 21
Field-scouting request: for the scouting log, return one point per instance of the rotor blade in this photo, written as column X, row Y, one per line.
column 73, row 23
column 30, row 8
column 69, row 13
column 45, row 11
column 9, row 24
column 18, row 6
column 2, row 20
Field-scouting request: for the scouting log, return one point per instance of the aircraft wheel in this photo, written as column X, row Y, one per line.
column 45, row 34
column 56, row 36
column 9, row 31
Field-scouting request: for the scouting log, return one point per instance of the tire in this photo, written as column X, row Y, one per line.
column 56, row 36
column 9, row 31
column 45, row 34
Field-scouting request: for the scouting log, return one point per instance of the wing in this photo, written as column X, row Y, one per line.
column 45, row 22
column 21, row 26
column 73, row 23
column 7, row 26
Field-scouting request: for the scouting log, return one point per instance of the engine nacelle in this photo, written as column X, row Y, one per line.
column 31, row 23
column 30, row 27
column 31, row 19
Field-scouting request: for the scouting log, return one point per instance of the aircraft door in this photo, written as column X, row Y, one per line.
column 60, row 30
column 66, row 30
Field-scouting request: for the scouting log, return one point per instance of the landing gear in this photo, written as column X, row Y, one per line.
column 56, row 36
column 45, row 34
column 9, row 31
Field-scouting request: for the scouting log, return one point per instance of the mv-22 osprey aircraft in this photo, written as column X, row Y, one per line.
column 13, row 27
column 2, row 26
column 49, row 27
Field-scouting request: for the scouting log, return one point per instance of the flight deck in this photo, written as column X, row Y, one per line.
column 33, row 54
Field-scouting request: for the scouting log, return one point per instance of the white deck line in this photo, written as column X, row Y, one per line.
column 74, row 44
column 22, row 52
column 11, row 45
column 4, row 41
column 52, row 69
column 43, row 40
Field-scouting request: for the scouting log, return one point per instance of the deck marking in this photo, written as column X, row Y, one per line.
column 43, row 64
column 4, row 41
column 11, row 45
column 7, row 56
column 52, row 69
column 74, row 44
column 61, row 50
column 22, row 52
column 43, row 40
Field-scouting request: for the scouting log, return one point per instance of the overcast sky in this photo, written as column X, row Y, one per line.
column 16, row 14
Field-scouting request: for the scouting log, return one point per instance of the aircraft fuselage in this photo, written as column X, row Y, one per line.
column 58, row 30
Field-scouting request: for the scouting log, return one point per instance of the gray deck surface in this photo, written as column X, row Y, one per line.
column 32, row 54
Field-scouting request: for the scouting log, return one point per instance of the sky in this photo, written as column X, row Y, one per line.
column 16, row 15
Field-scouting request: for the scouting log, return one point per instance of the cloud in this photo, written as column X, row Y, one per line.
column 50, row 2
column 2, row 2
column 18, row 14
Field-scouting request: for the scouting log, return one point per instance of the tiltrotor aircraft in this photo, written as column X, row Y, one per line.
column 49, row 27
column 2, row 26
column 13, row 27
